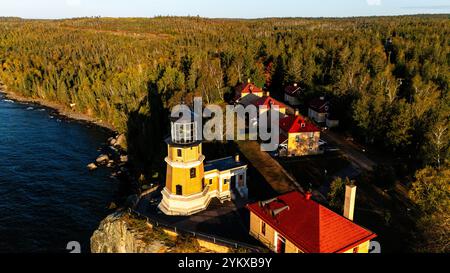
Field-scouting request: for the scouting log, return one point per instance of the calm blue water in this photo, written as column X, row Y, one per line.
column 47, row 196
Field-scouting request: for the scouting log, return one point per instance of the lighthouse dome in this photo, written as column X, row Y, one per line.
column 184, row 127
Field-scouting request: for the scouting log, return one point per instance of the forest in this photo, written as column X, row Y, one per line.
column 387, row 77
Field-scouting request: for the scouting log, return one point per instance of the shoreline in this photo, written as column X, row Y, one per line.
column 119, row 168
column 58, row 109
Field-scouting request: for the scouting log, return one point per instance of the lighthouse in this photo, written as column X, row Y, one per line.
column 191, row 182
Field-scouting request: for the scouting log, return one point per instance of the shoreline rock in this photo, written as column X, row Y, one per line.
column 92, row 166
column 101, row 159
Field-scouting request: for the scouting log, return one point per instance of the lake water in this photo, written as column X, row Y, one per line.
column 47, row 195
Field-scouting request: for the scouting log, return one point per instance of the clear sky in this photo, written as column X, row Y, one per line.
column 218, row 8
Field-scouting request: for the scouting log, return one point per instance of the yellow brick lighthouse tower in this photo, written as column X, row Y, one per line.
column 189, row 189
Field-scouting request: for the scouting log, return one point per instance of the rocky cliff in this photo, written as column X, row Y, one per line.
column 122, row 232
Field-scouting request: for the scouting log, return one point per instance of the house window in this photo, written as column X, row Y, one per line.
column 225, row 181
column 263, row 228
column 298, row 139
column 356, row 250
column 193, row 173
column 179, row 190
column 179, row 153
column 210, row 181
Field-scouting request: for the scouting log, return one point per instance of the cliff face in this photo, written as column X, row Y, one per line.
column 121, row 233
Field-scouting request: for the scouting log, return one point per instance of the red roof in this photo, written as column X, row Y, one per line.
column 268, row 101
column 248, row 88
column 291, row 90
column 319, row 105
column 297, row 124
column 312, row 227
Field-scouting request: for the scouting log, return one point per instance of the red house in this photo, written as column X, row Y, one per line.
column 298, row 136
column 269, row 102
column 247, row 88
column 294, row 223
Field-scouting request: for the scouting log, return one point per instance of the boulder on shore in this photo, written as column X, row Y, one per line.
column 92, row 166
column 102, row 159
column 112, row 141
column 121, row 141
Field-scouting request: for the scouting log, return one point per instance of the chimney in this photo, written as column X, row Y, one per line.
column 267, row 94
column 262, row 204
column 308, row 195
column 297, row 112
column 349, row 205
column 278, row 211
column 249, row 80
column 236, row 158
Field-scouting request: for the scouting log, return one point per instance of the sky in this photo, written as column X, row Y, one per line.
column 52, row 9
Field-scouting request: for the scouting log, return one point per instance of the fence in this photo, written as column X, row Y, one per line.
column 199, row 235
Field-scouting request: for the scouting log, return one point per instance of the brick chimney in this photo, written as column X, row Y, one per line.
column 236, row 158
column 349, row 205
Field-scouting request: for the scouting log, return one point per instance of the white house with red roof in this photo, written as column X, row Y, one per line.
column 318, row 109
column 294, row 223
column 291, row 93
column 298, row 136
column 268, row 103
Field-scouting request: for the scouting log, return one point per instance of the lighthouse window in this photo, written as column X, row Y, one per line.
column 179, row 154
column 179, row 190
column 193, row 173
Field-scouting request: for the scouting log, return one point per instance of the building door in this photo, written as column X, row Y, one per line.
column 179, row 190
column 233, row 183
column 281, row 244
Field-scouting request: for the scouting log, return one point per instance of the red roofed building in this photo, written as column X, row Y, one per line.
column 298, row 136
column 269, row 102
column 293, row 223
column 318, row 109
column 291, row 93
column 247, row 88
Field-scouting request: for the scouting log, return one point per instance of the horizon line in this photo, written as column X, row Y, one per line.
column 228, row 18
